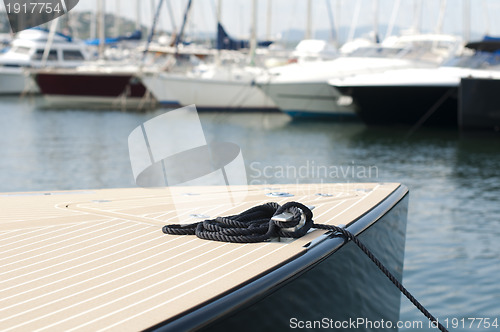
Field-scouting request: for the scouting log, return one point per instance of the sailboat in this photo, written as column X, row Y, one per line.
column 97, row 84
column 228, row 86
column 27, row 51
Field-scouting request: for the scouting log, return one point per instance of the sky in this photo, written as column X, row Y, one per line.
column 291, row 14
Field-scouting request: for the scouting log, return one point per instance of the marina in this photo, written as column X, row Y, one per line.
column 168, row 166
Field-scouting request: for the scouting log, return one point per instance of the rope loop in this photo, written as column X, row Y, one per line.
column 257, row 224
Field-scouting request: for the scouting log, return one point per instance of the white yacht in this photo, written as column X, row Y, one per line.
column 414, row 95
column 27, row 51
column 302, row 89
column 211, row 87
column 229, row 85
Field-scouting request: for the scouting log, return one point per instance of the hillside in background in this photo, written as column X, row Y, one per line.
column 79, row 25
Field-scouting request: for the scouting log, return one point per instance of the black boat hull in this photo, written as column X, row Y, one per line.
column 437, row 105
column 104, row 85
column 479, row 107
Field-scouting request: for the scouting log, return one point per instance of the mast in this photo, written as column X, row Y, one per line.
column 375, row 21
column 138, row 15
column 152, row 32
column 118, row 17
column 466, row 14
column 486, row 18
column 354, row 23
column 101, row 25
column 392, row 21
column 309, row 20
column 338, row 16
column 253, row 34
column 418, row 15
column 172, row 17
column 50, row 41
column 333, row 32
column 153, row 14
column 268, row 20
column 153, row 8
column 219, row 18
column 442, row 10
column 93, row 25
column 219, row 11
column 183, row 26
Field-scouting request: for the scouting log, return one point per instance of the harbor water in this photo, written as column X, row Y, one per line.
column 452, row 259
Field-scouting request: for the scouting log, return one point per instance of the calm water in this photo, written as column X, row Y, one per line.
column 452, row 259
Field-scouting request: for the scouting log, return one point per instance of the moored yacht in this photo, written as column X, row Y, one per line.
column 27, row 51
column 417, row 95
column 98, row 85
column 211, row 87
column 302, row 90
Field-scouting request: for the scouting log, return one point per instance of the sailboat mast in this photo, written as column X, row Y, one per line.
column 118, row 17
column 171, row 16
column 392, row 20
column 50, row 41
column 309, row 20
column 219, row 11
column 101, row 25
column 253, row 33
column 442, row 10
column 333, row 33
column 152, row 32
column 138, row 15
column 466, row 14
column 268, row 20
column 93, row 25
column 354, row 23
column 486, row 17
column 338, row 16
column 183, row 26
column 418, row 15
column 153, row 8
column 375, row 21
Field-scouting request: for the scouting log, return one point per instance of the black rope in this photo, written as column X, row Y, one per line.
column 263, row 222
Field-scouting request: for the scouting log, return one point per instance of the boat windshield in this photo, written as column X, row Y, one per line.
column 39, row 55
column 376, row 52
column 476, row 61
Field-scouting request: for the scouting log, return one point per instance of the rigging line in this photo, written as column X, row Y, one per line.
column 430, row 112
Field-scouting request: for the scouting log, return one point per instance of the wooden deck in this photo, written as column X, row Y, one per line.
column 98, row 260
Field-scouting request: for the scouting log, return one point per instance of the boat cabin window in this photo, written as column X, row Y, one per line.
column 72, row 55
column 39, row 55
column 21, row 50
column 476, row 61
column 375, row 52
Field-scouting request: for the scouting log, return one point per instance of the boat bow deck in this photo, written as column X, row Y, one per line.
column 89, row 260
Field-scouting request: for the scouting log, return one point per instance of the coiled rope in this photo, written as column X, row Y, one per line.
column 270, row 220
